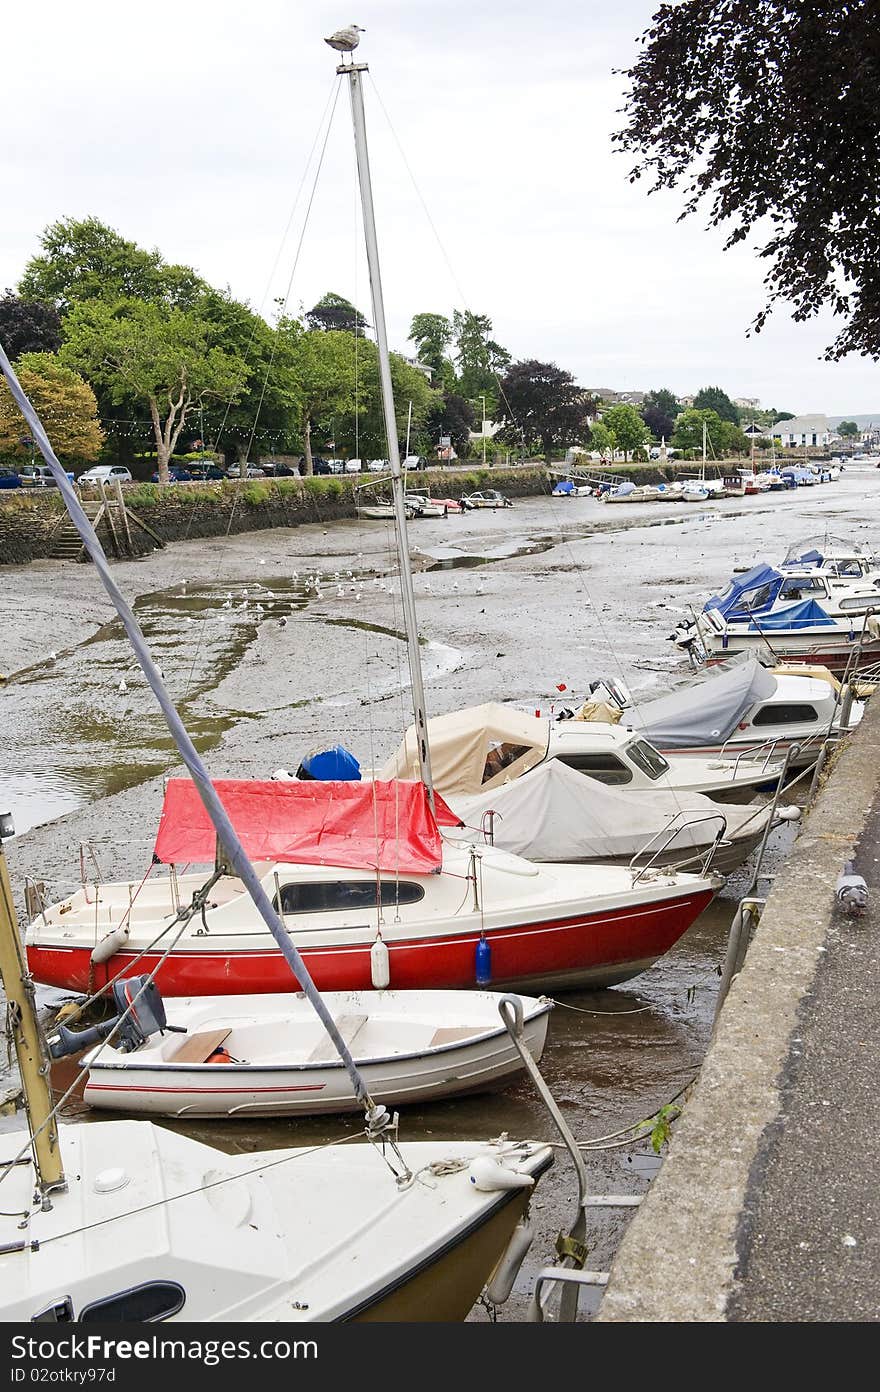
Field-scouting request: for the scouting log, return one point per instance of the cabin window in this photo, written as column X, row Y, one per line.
column 155, row 1300
column 501, row 756
column 804, row 588
column 756, row 599
column 607, row 768
column 647, row 758
column 859, row 604
column 784, row 715
column 319, row 896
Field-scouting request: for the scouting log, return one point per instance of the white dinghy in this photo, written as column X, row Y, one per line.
column 268, row 1055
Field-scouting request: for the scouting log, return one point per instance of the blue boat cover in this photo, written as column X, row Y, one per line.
column 566, row 486
column 333, row 765
column 741, row 585
column 806, row 614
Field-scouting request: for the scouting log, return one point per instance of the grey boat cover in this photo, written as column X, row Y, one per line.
column 707, row 711
column 555, row 813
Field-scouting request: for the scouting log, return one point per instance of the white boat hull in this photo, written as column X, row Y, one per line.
column 153, row 1219
column 410, row 1047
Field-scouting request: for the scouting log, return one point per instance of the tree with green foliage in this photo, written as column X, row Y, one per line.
column 324, row 367
column 267, row 411
column 432, row 335
column 714, row 399
column 480, row 359
column 627, row 428
column 722, row 437
column 546, row 406
column 361, row 423
column 26, row 326
column 659, row 411
column 156, row 355
column 454, row 416
column 769, row 111
column 847, row 430
column 335, row 313
column 65, row 404
column 87, row 260
column 601, row 439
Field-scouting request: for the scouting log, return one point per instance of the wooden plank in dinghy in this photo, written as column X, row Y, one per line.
column 451, row 1035
column 348, row 1026
column 198, row 1048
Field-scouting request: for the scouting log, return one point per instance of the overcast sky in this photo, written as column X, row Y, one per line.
column 188, row 126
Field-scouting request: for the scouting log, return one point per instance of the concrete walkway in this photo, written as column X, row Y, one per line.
column 768, row 1205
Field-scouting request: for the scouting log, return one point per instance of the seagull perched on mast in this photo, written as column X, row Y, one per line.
column 346, row 40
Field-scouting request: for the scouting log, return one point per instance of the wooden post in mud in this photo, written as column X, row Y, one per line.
column 117, row 488
column 109, row 511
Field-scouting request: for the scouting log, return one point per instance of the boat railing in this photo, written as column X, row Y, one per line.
column 771, row 749
column 668, row 833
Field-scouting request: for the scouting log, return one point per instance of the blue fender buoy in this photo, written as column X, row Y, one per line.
column 483, row 961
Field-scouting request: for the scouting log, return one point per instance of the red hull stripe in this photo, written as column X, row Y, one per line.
column 552, row 949
column 206, row 1092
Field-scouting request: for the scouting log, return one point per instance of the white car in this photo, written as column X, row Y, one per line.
column 106, row 473
column 378, row 466
column 488, row 498
column 353, row 466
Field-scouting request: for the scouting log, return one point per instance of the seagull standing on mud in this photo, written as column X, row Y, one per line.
column 346, row 40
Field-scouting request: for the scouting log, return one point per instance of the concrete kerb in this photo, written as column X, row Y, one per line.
column 678, row 1258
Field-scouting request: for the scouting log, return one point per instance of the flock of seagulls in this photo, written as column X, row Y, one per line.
column 259, row 600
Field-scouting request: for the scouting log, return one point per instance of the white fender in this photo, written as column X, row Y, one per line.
column 109, row 944
column 488, row 1173
column 380, row 967
column 512, row 1257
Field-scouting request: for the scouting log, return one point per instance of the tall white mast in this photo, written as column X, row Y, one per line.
column 353, row 72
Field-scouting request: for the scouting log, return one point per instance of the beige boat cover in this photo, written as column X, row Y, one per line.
column 599, row 710
column 476, row 749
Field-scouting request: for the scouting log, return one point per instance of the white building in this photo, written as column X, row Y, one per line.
column 804, row 430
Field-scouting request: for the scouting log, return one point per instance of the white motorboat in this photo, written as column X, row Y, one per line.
column 793, row 613
column 483, row 747
column 742, row 707
column 268, row 1055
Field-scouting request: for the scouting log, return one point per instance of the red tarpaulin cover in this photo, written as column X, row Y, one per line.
column 360, row 825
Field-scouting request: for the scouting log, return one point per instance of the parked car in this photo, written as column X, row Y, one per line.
column 415, row 461
column 378, row 466
column 320, row 466
column 278, row 469
column 353, row 466
column 175, row 475
column 488, row 498
column 250, row 471
column 37, row 476
column 9, row 478
column 106, row 473
column 205, row 471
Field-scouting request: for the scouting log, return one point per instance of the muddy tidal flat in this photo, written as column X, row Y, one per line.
column 275, row 643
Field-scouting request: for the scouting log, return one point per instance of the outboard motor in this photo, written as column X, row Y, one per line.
column 146, row 1017
column 612, row 690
